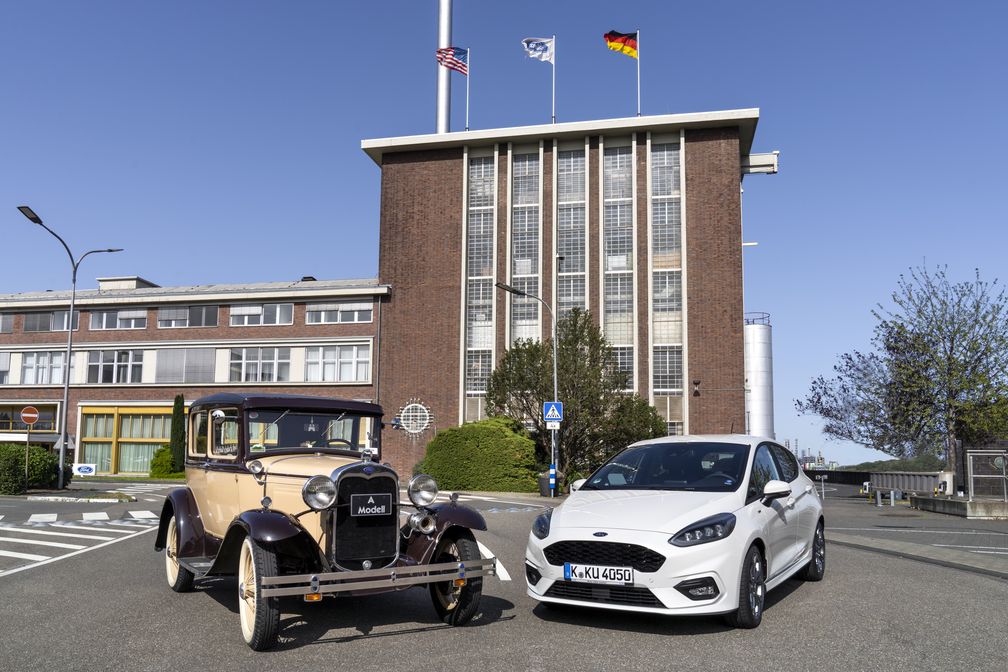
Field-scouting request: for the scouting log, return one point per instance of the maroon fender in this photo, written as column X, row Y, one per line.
column 188, row 524
column 276, row 530
column 420, row 547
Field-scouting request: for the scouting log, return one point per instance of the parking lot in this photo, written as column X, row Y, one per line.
column 110, row 609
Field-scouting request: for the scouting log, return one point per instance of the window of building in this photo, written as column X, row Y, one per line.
column 338, row 313
column 262, row 314
column 674, row 428
column 480, row 199
column 668, row 368
column 140, row 434
column 260, row 365
column 185, row 365
column 525, row 245
column 571, row 245
column 97, row 437
column 623, row 360
column 118, row 319
column 187, row 316
column 10, row 418
column 55, row 320
column 42, row 368
column 4, row 367
column 6, row 324
column 617, row 251
column 115, row 367
column 338, row 364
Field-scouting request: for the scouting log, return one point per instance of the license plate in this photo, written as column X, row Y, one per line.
column 620, row 576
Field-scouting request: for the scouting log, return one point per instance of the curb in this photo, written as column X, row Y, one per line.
column 921, row 558
column 88, row 500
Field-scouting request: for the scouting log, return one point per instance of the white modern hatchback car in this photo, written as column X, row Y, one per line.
column 681, row 525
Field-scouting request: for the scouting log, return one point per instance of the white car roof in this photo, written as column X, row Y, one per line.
column 744, row 439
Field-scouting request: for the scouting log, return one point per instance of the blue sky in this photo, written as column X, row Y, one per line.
column 220, row 142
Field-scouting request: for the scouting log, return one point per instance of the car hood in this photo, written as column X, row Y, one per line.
column 303, row 465
column 641, row 510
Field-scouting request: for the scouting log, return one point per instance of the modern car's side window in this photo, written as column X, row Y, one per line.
column 785, row 462
column 198, row 435
column 763, row 471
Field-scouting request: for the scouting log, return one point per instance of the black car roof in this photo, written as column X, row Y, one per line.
column 294, row 401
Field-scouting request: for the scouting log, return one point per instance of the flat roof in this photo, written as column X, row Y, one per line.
column 744, row 119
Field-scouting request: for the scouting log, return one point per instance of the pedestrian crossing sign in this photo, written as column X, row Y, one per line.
column 553, row 411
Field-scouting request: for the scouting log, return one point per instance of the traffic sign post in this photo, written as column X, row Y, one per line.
column 553, row 415
column 29, row 416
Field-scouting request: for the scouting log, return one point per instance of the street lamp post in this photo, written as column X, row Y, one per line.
column 518, row 292
column 74, row 265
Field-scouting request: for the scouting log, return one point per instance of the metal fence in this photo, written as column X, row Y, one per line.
column 986, row 474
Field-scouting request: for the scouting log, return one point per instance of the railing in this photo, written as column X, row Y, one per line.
column 986, row 474
column 757, row 318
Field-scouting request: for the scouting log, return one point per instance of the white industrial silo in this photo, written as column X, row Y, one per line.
column 759, row 374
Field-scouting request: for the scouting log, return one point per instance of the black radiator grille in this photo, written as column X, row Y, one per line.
column 360, row 538
column 625, row 595
column 604, row 553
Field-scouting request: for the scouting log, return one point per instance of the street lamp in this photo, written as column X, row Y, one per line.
column 74, row 264
column 518, row 292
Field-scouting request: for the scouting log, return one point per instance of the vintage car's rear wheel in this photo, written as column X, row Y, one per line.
column 456, row 605
column 260, row 616
column 179, row 578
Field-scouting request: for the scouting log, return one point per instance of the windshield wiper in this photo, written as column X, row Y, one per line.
column 262, row 434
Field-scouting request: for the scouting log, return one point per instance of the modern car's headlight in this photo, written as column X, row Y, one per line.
column 541, row 525
column 705, row 531
column 319, row 492
column 422, row 490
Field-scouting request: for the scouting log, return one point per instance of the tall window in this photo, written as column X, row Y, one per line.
column 337, row 313
column 260, row 365
column 338, row 364
column 262, row 314
column 140, row 434
column 187, row 316
column 617, row 251
column 525, row 245
column 115, row 367
column 479, row 281
column 118, row 319
column 6, row 324
column 570, row 231
column 4, row 367
column 42, row 368
column 185, row 365
column 55, row 320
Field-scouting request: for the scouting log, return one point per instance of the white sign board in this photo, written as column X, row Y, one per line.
column 85, row 469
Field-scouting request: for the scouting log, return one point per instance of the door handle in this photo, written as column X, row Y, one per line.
column 790, row 502
column 808, row 488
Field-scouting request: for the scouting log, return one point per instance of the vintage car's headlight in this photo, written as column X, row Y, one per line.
column 541, row 525
column 319, row 492
column 422, row 490
column 704, row 531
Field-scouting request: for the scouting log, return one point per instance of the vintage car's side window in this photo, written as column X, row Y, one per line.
column 198, row 437
column 225, row 434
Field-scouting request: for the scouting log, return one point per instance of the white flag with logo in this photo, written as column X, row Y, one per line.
column 539, row 47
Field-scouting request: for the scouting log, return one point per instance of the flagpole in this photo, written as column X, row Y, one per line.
column 469, row 72
column 554, row 79
column 638, row 72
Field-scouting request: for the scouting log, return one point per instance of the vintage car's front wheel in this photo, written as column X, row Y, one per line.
column 260, row 616
column 456, row 604
column 179, row 578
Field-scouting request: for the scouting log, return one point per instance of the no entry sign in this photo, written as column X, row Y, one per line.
column 29, row 415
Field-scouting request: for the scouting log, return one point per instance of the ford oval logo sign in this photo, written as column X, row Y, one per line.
column 601, row 534
column 368, row 470
column 85, row 469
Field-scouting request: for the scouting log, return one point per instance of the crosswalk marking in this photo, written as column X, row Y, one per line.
column 54, row 534
column 39, row 542
column 40, row 560
column 118, row 524
column 42, row 518
column 103, row 528
column 142, row 514
column 23, row 556
column 94, row 515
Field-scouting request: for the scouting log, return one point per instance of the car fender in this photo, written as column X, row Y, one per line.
column 276, row 530
column 188, row 524
column 420, row 547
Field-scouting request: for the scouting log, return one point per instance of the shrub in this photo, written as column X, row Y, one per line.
column 43, row 468
column 162, row 464
column 491, row 455
column 11, row 473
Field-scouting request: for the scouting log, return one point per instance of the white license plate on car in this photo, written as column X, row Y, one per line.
column 619, row 576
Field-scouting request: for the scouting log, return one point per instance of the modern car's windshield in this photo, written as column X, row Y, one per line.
column 708, row 467
column 270, row 429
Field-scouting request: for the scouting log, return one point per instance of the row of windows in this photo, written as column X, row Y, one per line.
column 194, row 316
column 349, row 363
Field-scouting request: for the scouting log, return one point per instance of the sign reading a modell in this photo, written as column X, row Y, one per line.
column 371, row 505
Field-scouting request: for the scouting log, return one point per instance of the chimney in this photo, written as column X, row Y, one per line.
column 443, row 73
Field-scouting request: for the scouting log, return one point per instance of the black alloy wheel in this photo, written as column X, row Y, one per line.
column 752, row 591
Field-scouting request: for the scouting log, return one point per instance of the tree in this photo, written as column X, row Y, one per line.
column 599, row 417
column 938, row 373
column 178, row 435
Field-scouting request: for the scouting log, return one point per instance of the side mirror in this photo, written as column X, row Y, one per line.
column 775, row 490
column 576, row 485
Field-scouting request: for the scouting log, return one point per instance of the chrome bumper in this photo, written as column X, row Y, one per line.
column 369, row 579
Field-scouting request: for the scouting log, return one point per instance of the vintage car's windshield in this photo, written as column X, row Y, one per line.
column 702, row 466
column 285, row 429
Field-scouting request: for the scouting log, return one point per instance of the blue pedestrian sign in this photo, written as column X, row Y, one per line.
column 553, row 411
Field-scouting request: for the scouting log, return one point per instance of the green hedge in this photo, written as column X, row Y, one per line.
column 490, row 455
column 43, row 468
column 162, row 464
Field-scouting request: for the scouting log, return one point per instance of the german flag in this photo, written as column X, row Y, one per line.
column 624, row 42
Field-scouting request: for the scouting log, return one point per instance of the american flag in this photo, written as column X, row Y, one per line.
column 454, row 58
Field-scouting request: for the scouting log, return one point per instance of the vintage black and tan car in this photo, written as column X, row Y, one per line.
column 288, row 493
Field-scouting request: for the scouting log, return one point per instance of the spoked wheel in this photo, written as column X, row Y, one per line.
column 816, row 567
column 179, row 578
column 260, row 616
column 752, row 591
column 457, row 604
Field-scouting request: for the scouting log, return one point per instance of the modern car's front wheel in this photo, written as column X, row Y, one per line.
column 456, row 602
column 816, row 568
column 752, row 591
column 179, row 578
column 260, row 616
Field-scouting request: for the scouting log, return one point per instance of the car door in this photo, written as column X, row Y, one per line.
column 802, row 497
column 222, row 471
column 778, row 516
column 196, row 459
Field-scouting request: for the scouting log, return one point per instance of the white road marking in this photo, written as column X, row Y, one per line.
column 38, row 542
column 149, row 500
column 118, row 524
column 988, row 548
column 1, row 517
column 101, row 529
column 70, row 555
column 142, row 514
column 22, row 556
column 991, row 552
column 502, row 573
column 889, row 529
column 42, row 518
column 26, row 530
column 94, row 515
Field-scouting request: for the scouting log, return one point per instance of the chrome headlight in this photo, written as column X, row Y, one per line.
column 319, row 492
column 705, row 531
column 422, row 490
column 541, row 525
